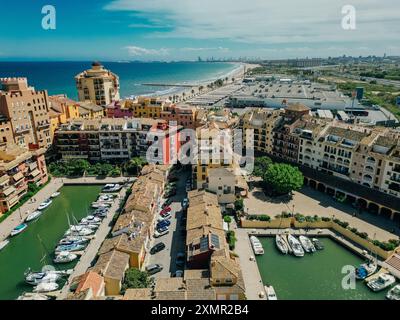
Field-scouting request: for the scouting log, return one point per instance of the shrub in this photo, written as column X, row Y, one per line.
column 326, row 219
column 231, row 239
column 264, row 217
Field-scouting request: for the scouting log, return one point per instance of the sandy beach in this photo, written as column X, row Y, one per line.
column 185, row 93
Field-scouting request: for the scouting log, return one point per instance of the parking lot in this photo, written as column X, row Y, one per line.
column 175, row 240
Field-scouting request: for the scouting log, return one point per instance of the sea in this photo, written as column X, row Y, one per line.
column 58, row 77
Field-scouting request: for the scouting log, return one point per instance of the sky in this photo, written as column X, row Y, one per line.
column 166, row 30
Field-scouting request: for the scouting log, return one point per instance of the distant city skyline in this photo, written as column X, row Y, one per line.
column 184, row 30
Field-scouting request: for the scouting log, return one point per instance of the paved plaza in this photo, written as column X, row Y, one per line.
column 312, row 202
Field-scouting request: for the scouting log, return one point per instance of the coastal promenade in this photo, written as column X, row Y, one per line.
column 89, row 254
column 19, row 215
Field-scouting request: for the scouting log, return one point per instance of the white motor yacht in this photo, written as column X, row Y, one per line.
column 381, row 282
column 307, row 244
column 65, row 257
column 257, row 246
column 45, row 287
column 281, row 244
column 34, row 215
column 298, row 250
column 271, row 295
column 45, row 204
column 394, row 293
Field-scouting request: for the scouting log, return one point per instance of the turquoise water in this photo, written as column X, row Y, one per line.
column 58, row 77
column 316, row 276
column 25, row 250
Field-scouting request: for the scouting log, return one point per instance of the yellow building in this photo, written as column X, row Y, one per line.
column 148, row 107
column 62, row 110
column 214, row 151
column 90, row 110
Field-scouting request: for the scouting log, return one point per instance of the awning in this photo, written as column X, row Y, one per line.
column 18, row 176
column 35, row 172
column 8, row 191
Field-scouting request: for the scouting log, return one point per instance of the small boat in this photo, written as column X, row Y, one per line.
column 18, row 229
column 317, row 244
column 35, row 278
column 105, row 197
column 79, row 231
column 45, row 287
column 70, row 247
column 55, row 194
column 257, row 246
column 97, row 205
column 73, row 239
column 45, row 204
column 307, row 244
column 34, row 215
column 394, row 293
column 3, row 244
column 65, row 257
column 366, row 269
column 92, row 226
column 281, row 244
column 33, row 296
column 110, row 187
column 271, row 295
column 298, row 250
column 91, row 219
column 381, row 282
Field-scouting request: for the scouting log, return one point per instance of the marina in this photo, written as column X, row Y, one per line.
column 34, row 248
column 316, row 276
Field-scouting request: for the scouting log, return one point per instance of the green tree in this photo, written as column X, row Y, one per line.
column 283, row 178
column 261, row 165
column 134, row 278
column 239, row 204
column 227, row 219
column 134, row 166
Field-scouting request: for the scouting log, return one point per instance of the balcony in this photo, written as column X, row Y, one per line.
column 395, row 178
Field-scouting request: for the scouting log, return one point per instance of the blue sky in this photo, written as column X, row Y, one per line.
column 186, row 29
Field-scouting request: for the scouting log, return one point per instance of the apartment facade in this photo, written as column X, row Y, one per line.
column 117, row 140
column 18, row 168
column 98, row 85
column 62, row 110
column 356, row 162
column 27, row 110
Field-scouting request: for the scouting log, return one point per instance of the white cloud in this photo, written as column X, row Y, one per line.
column 139, row 51
column 190, row 49
column 268, row 22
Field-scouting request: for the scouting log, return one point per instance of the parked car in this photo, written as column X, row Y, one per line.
column 180, row 259
column 164, row 223
column 185, row 203
column 154, row 268
column 172, row 178
column 161, row 232
column 157, row 248
column 165, row 216
column 178, row 274
column 165, row 210
column 166, row 203
column 170, row 193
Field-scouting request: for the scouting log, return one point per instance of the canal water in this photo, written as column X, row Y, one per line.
column 315, row 276
column 26, row 250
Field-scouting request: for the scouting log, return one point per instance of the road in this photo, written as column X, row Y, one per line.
column 175, row 240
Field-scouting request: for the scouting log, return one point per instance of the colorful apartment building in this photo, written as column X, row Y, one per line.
column 98, row 85
column 62, row 110
column 355, row 162
column 118, row 140
column 27, row 110
column 19, row 167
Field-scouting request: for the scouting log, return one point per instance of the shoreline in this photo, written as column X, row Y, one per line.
column 237, row 73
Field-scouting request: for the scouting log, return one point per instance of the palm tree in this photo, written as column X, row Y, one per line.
column 201, row 88
column 233, row 79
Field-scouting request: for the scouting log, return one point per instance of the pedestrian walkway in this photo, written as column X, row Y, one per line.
column 251, row 274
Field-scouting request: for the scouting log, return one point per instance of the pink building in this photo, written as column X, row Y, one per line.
column 119, row 109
